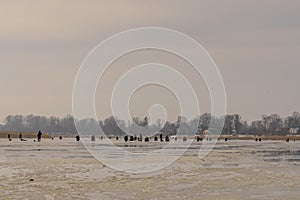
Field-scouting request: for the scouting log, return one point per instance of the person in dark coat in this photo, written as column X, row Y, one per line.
column 9, row 138
column 126, row 138
column 77, row 138
column 161, row 137
column 39, row 136
column 167, row 138
column 20, row 136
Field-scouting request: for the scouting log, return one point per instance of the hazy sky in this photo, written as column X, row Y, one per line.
column 256, row 45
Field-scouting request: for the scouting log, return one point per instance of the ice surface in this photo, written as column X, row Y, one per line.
column 63, row 169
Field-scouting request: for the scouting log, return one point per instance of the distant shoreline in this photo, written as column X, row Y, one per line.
column 15, row 134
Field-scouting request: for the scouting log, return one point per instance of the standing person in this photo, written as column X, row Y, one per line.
column 93, row 138
column 21, row 136
column 39, row 136
column 77, row 138
column 161, row 137
column 9, row 138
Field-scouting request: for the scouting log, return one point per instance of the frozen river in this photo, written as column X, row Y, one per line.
column 63, row 169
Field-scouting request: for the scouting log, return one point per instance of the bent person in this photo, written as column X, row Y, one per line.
column 167, row 138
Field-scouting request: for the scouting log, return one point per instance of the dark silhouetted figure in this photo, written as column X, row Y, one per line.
column 60, row 137
column 161, row 137
column 167, row 138
column 146, row 139
column 155, row 138
column 256, row 139
column 126, row 138
column 117, row 138
column 226, row 139
column 198, row 138
column 9, row 138
column 259, row 139
column 93, row 138
column 135, row 137
column 131, row 138
column 20, row 136
column 184, row 139
column 77, row 138
column 175, row 138
column 287, row 139
column 101, row 137
column 39, row 136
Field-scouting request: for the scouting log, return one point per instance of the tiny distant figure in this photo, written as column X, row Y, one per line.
column 20, row 136
column 167, row 138
column 39, row 136
column 184, row 139
column 140, row 138
column 226, row 139
column 117, row 138
column 175, row 138
column 259, row 139
column 135, row 138
column 131, row 138
column 146, row 139
column 9, row 138
column 161, row 137
column 60, row 137
column 287, row 139
column 77, row 138
column 256, row 139
column 101, row 137
column 198, row 138
column 126, row 138
column 93, row 138
column 155, row 138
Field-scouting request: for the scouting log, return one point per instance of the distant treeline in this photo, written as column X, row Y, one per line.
column 233, row 124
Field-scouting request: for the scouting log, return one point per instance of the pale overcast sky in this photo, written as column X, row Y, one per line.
column 256, row 45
